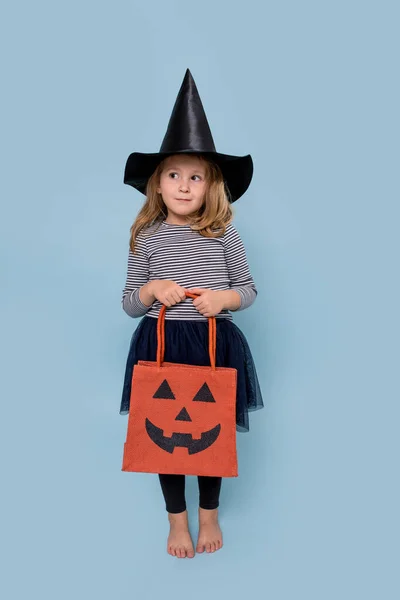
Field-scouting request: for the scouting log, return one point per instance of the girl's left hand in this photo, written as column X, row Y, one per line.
column 209, row 303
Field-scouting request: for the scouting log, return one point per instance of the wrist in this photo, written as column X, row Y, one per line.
column 231, row 299
column 146, row 294
column 150, row 288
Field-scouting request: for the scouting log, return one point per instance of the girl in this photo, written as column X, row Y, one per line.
column 183, row 240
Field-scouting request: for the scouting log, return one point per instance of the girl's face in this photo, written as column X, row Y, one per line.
column 182, row 186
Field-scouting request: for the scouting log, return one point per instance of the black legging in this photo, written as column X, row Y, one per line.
column 173, row 487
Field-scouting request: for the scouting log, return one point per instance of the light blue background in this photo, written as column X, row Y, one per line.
column 311, row 90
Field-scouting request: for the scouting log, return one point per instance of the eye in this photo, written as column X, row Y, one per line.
column 171, row 175
column 164, row 391
column 204, row 394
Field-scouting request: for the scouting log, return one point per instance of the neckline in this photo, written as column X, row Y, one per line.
column 174, row 224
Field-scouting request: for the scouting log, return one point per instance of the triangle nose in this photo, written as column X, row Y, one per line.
column 183, row 415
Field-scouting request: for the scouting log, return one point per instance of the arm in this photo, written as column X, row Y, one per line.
column 136, row 298
column 243, row 291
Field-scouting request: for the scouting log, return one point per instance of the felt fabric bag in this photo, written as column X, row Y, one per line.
column 182, row 417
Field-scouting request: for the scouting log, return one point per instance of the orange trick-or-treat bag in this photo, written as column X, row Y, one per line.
column 182, row 418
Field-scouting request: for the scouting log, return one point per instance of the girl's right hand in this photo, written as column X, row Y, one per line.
column 167, row 292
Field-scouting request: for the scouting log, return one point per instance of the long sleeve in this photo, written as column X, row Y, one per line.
column 137, row 276
column 239, row 272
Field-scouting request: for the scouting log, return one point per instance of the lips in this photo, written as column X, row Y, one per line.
column 183, row 199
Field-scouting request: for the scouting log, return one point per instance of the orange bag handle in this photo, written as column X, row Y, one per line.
column 212, row 335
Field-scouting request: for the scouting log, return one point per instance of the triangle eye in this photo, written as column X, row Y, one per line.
column 204, row 394
column 164, row 391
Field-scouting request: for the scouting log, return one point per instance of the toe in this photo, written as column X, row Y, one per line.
column 190, row 553
column 208, row 547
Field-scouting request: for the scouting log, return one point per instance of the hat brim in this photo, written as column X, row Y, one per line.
column 237, row 170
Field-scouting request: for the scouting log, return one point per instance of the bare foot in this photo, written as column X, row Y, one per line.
column 210, row 534
column 179, row 541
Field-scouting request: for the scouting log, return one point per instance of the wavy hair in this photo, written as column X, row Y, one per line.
column 210, row 220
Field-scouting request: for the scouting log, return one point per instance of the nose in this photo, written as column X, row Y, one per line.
column 184, row 186
column 183, row 416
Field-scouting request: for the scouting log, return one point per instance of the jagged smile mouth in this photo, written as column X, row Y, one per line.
column 182, row 440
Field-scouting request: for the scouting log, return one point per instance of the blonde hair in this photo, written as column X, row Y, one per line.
column 210, row 220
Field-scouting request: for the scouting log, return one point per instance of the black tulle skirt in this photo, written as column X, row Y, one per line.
column 186, row 341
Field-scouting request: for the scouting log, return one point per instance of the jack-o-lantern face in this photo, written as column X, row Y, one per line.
column 183, row 440
column 182, row 420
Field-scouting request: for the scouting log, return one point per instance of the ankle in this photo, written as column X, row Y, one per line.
column 207, row 515
column 178, row 518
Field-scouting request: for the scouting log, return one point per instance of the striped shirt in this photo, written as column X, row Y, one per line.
column 180, row 254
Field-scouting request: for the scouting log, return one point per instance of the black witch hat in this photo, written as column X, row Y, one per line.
column 188, row 132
